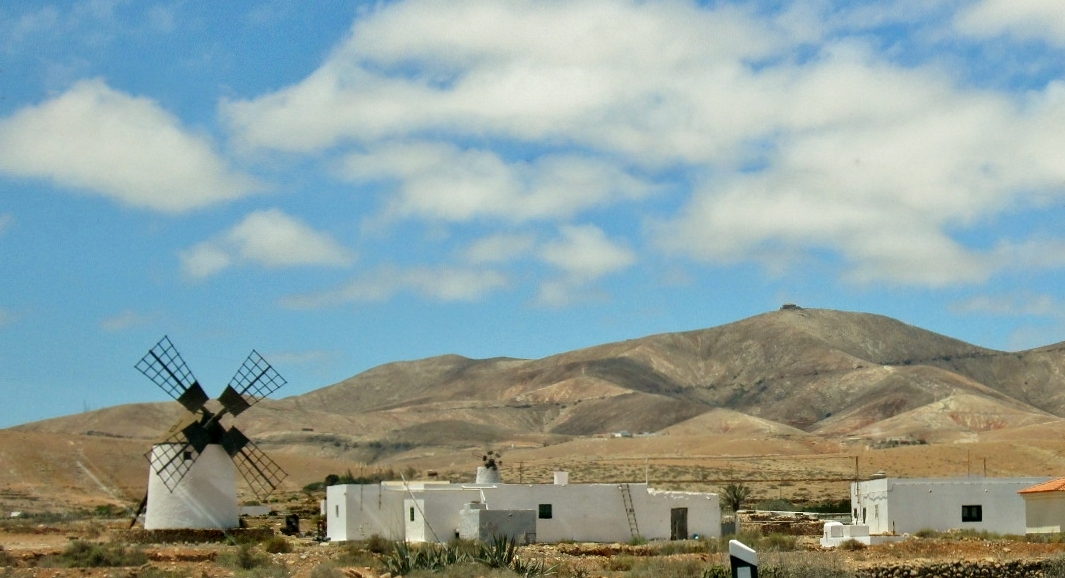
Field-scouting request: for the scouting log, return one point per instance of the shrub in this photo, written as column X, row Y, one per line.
column 326, row 570
column 378, row 544
column 851, row 545
column 1054, row 567
column 153, row 572
column 277, row 545
column 6, row 559
column 406, row 558
column 243, row 557
column 665, row 568
column 81, row 554
column 498, row 552
column 801, row 565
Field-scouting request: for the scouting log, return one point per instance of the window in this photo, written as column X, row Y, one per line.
column 412, row 514
column 545, row 512
column 972, row 513
column 338, row 511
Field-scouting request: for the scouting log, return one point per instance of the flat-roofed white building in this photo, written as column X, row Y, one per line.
column 434, row 511
column 908, row 505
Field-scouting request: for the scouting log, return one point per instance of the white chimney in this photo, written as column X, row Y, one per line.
column 561, row 478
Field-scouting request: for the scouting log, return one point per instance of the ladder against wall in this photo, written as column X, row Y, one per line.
column 630, row 512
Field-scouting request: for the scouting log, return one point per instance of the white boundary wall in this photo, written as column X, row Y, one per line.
column 905, row 506
column 581, row 512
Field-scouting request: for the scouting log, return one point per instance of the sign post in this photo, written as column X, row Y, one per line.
column 744, row 560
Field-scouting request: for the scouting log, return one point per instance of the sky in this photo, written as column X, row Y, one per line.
column 340, row 185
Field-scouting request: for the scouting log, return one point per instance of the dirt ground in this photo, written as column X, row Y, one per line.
column 25, row 549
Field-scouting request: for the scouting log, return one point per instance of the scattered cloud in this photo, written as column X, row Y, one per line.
column 1011, row 305
column 805, row 140
column 446, row 284
column 7, row 220
column 127, row 319
column 269, row 238
column 499, row 248
column 444, row 181
column 583, row 254
column 1032, row 19
column 98, row 140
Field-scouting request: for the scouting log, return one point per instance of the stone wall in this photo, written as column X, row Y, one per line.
column 958, row 569
column 139, row 536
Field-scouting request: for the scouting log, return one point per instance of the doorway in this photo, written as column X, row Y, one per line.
column 678, row 524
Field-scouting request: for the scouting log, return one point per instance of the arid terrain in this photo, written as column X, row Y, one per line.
column 794, row 403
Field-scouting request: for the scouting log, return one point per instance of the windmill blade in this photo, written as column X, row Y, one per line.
column 165, row 367
column 255, row 380
column 261, row 473
column 172, row 459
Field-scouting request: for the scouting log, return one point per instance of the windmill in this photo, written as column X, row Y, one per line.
column 192, row 479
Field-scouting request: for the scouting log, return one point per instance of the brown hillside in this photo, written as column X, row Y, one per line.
column 843, row 378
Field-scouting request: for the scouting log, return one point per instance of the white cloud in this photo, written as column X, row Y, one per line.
column 805, row 139
column 7, row 220
column 269, row 238
column 435, row 283
column 576, row 71
column 1012, row 304
column 96, row 139
column 499, row 248
column 1030, row 19
column 125, row 320
column 583, row 254
column 442, row 181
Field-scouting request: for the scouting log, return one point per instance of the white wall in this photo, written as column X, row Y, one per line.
column 356, row 512
column 583, row 512
column 1044, row 512
column 899, row 506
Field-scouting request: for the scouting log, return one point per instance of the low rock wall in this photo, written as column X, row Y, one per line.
column 239, row 535
column 958, row 569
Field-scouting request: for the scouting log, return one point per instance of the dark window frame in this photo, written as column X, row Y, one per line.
column 972, row 513
column 544, row 512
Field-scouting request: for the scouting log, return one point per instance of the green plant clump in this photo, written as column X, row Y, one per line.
column 6, row 559
column 81, row 554
column 243, row 557
column 277, row 545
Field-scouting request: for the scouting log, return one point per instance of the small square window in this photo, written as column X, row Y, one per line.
column 972, row 513
column 545, row 512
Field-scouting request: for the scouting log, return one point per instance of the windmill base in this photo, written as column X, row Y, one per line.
column 204, row 498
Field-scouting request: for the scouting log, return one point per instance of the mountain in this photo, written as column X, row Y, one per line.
column 814, row 371
column 799, row 394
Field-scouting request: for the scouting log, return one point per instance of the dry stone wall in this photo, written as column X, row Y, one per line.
column 961, row 569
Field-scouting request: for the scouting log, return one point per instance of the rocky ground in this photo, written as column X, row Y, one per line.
column 27, row 548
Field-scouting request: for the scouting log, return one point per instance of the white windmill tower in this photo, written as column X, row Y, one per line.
column 192, row 473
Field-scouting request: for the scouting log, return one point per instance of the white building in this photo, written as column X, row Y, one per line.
column 1044, row 507
column 440, row 511
column 905, row 506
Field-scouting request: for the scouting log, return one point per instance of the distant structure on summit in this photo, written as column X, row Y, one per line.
column 192, row 473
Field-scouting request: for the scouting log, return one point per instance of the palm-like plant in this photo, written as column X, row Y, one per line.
column 734, row 495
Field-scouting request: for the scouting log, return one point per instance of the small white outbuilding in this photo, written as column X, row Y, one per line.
column 440, row 511
column 908, row 505
column 1044, row 507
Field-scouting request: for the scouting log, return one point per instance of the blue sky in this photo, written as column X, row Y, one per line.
column 352, row 184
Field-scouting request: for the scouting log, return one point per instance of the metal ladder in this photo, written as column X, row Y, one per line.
column 626, row 499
